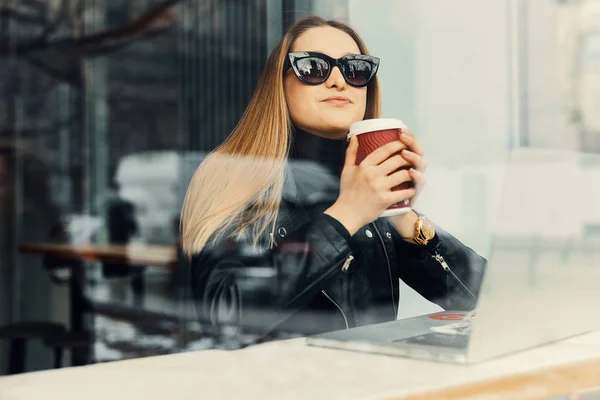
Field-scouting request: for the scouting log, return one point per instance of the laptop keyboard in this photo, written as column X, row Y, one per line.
column 455, row 335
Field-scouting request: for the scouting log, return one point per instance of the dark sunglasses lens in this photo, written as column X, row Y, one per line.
column 313, row 69
column 358, row 72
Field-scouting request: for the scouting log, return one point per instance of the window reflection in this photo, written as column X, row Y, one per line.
column 123, row 100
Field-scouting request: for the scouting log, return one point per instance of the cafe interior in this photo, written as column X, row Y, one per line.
column 107, row 107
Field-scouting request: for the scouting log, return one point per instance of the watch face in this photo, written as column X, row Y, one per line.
column 428, row 229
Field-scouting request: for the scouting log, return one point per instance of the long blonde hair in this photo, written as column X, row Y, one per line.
column 239, row 185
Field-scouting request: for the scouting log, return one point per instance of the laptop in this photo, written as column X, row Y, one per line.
column 542, row 281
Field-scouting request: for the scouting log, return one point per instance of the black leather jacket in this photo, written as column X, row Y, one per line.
column 323, row 279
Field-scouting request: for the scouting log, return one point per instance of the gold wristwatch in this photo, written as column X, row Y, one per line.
column 424, row 230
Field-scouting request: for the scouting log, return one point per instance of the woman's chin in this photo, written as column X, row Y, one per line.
column 335, row 134
column 338, row 129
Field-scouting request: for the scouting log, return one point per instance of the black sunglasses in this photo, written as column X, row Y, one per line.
column 314, row 68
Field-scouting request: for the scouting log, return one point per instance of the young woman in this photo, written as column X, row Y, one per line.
column 337, row 263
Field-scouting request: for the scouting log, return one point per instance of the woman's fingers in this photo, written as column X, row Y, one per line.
column 397, row 179
column 420, row 180
column 418, row 177
column 417, row 181
column 393, row 164
column 409, row 140
column 398, row 196
column 351, row 151
column 417, row 161
column 383, row 153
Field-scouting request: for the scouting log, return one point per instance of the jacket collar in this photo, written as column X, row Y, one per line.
column 308, row 182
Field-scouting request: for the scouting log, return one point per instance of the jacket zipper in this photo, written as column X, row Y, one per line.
column 387, row 258
column 347, row 263
column 339, row 308
column 345, row 267
column 438, row 257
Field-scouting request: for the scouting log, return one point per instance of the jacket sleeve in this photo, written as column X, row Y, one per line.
column 445, row 271
column 308, row 252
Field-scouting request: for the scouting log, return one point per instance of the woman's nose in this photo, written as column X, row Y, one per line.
column 336, row 79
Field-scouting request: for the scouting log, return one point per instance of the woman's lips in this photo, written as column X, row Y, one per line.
column 337, row 100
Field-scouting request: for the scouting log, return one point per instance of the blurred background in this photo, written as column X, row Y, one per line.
column 108, row 106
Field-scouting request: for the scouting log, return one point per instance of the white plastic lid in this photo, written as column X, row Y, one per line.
column 372, row 125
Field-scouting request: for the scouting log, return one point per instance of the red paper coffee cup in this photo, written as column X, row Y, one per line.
column 372, row 134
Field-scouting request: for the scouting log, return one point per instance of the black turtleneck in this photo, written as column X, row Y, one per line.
column 327, row 152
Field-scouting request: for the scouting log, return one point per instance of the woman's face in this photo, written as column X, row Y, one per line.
column 328, row 109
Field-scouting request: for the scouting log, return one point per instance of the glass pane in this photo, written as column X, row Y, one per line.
column 108, row 107
column 101, row 126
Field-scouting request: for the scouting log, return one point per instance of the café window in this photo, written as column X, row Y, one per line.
column 111, row 105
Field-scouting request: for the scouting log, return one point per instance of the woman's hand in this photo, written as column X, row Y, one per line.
column 366, row 189
column 413, row 155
